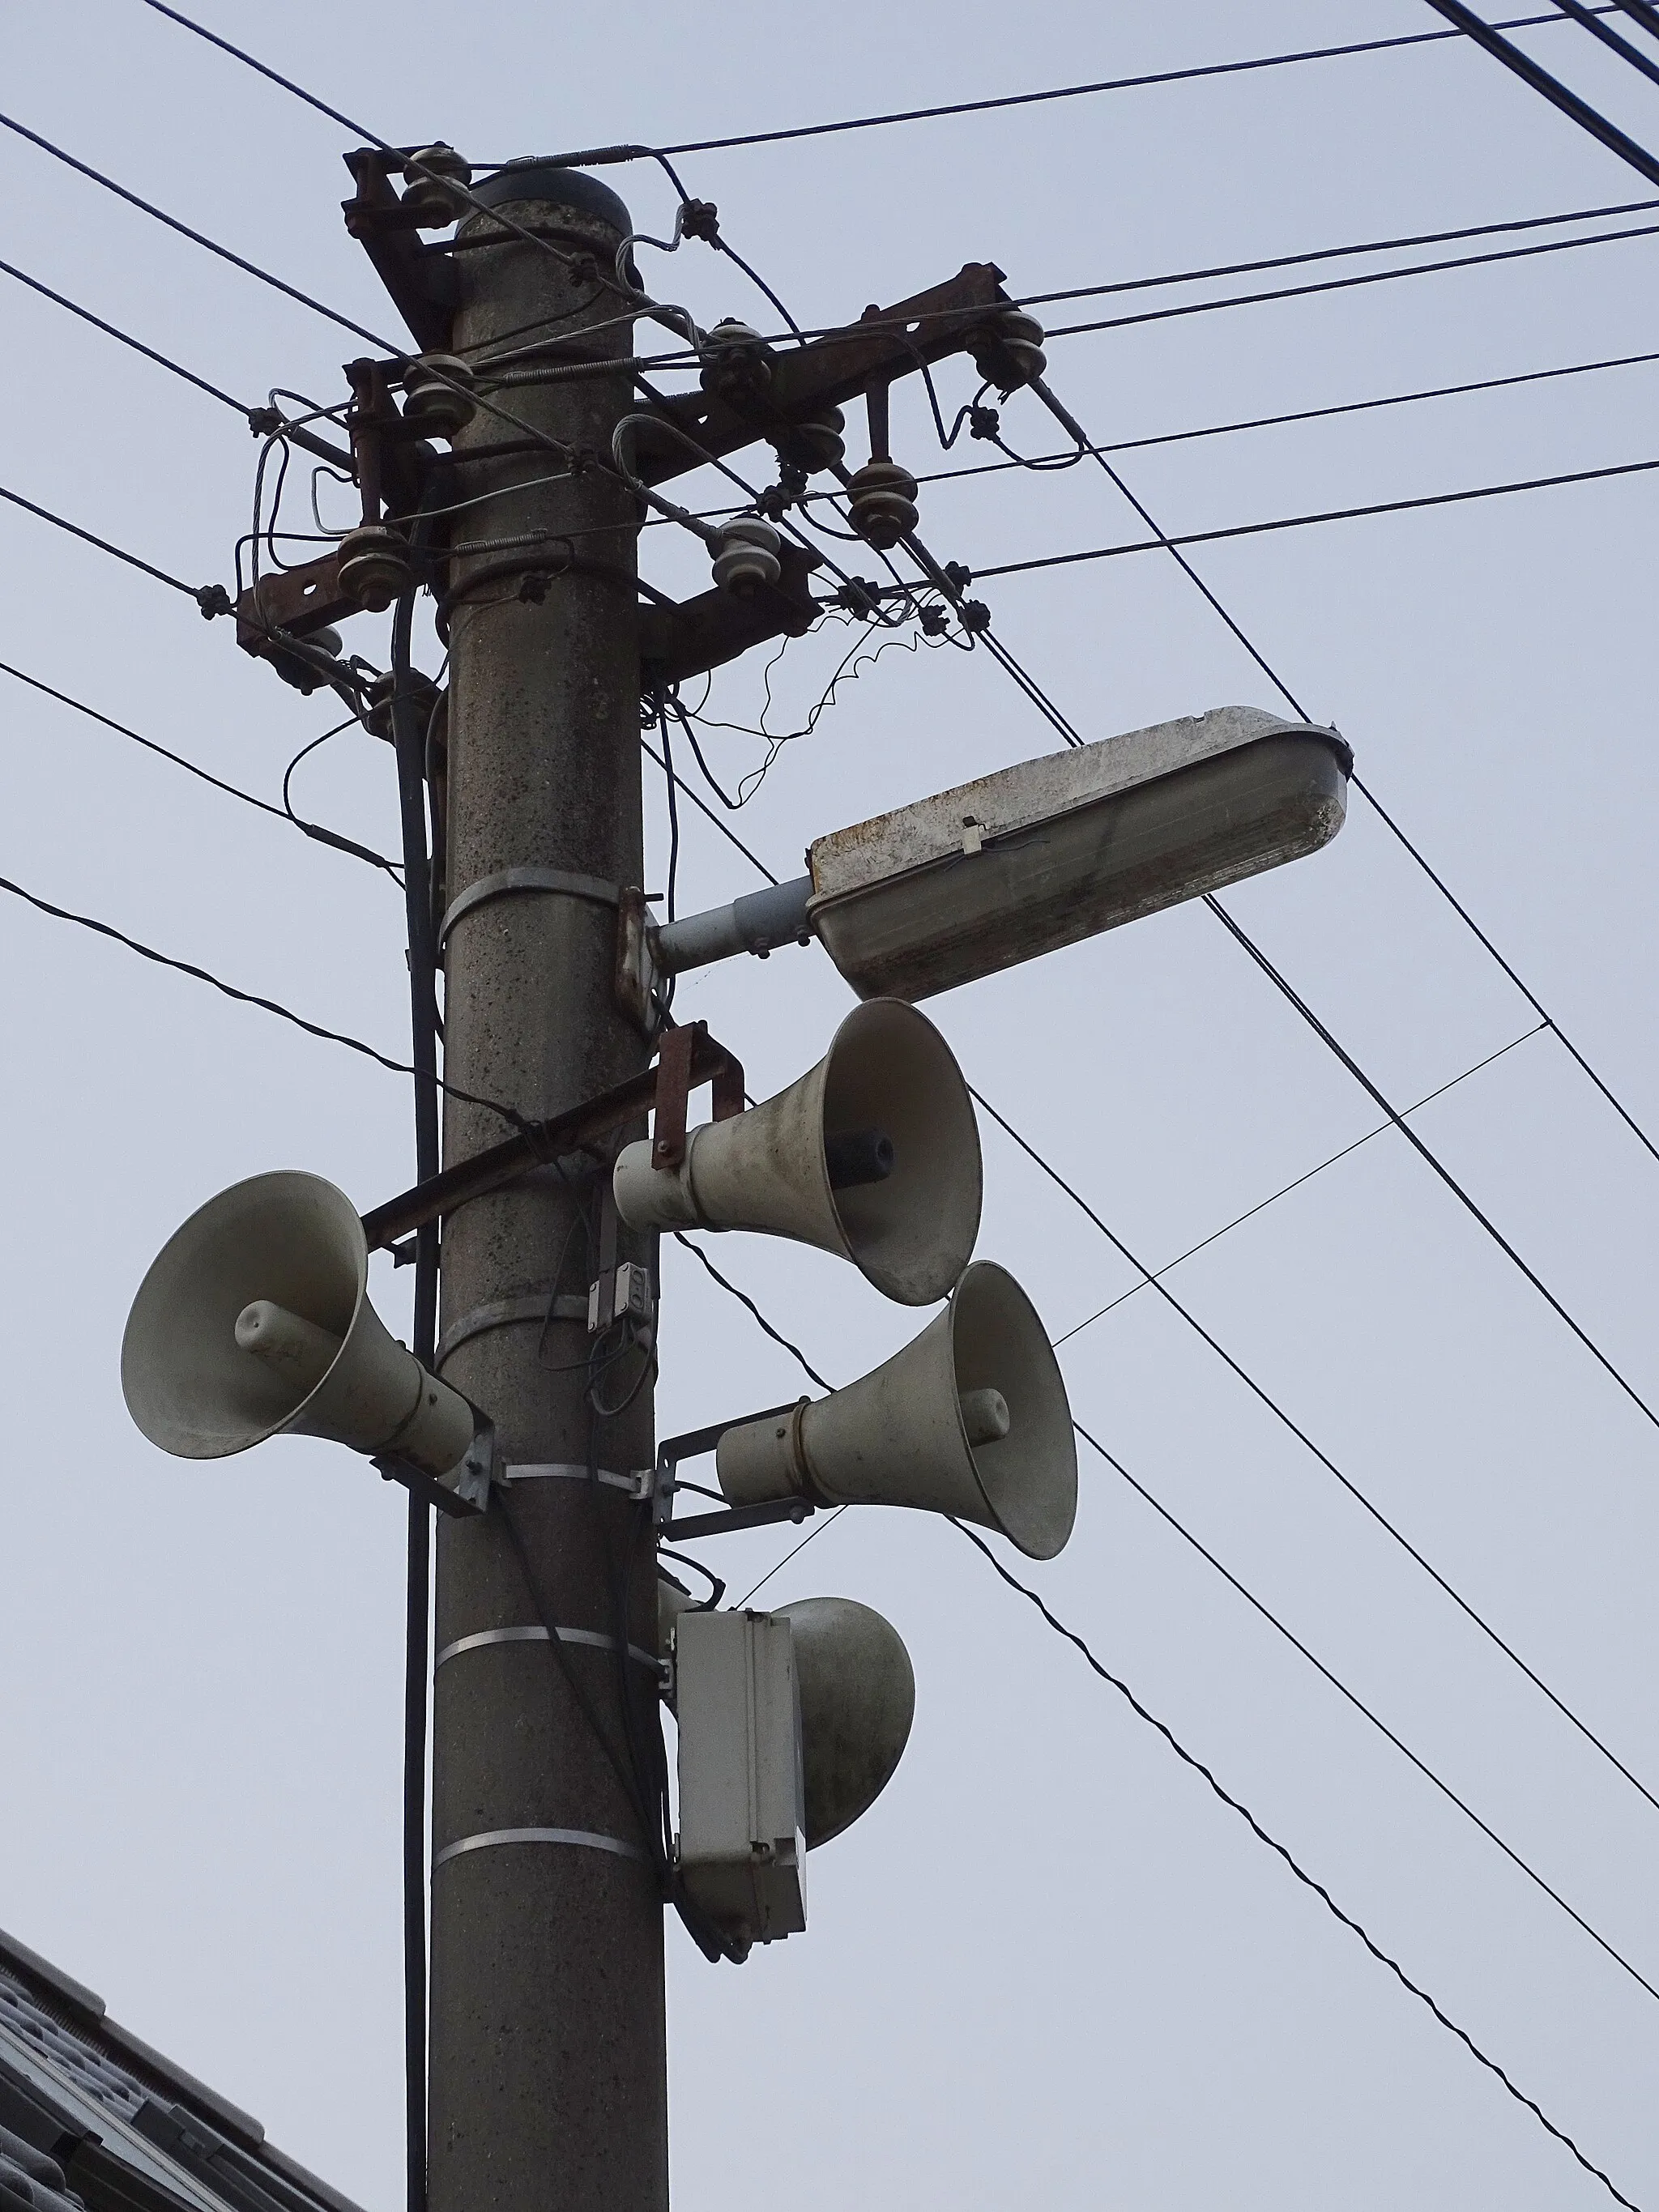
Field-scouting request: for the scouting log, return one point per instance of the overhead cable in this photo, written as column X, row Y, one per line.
column 599, row 155
column 248, row 997
column 1334, row 253
column 1164, row 545
column 1049, row 460
column 1300, row 1004
column 1234, row 1804
column 1523, row 66
column 1350, row 283
column 208, row 597
column 1287, row 1421
column 1620, row 45
column 126, row 339
column 1308, row 1880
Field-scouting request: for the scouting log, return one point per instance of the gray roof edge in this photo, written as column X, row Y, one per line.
column 86, row 2005
column 303, row 2178
column 85, row 2012
column 240, row 2126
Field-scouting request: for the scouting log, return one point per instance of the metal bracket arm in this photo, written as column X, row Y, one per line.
column 539, row 1143
column 423, row 286
column 705, row 633
column 884, row 344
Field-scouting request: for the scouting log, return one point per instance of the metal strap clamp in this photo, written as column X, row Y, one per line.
column 563, row 881
column 583, row 1838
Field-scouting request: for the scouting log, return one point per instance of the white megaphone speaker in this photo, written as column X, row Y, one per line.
column 858, row 1698
column 254, row 1322
column 971, row 1418
column 874, row 1154
column 857, row 1693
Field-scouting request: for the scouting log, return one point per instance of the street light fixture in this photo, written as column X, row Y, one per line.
column 1043, row 854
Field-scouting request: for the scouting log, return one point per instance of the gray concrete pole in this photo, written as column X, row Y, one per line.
column 548, row 2053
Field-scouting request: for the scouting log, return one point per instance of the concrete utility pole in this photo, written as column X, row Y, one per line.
column 548, row 2074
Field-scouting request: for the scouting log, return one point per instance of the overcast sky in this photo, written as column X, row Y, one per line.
column 1049, row 1966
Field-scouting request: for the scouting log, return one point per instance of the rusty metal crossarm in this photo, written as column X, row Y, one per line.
column 540, row 1142
column 886, row 343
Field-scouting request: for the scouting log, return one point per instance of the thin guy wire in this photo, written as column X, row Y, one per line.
column 1286, row 1421
column 247, row 998
column 1261, row 1205
column 1307, row 1880
column 1233, row 1803
column 1347, row 1060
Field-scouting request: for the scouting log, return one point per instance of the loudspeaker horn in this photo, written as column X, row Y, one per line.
column 254, row 1322
column 858, row 1698
column 970, row 1418
column 874, row 1154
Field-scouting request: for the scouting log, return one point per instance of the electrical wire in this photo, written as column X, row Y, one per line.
column 1278, row 421
column 1365, row 1711
column 1308, row 1880
column 1284, row 1190
column 1164, row 545
column 1266, row 1399
column 248, row 997
column 203, row 594
column 1619, row 46
column 1369, row 276
column 596, row 156
column 1432, row 1159
column 125, row 338
column 745, row 1300
column 1234, row 1803
column 1523, row 66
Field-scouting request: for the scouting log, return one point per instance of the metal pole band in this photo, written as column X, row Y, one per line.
column 636, row 1485
column 502, row 1313
column 559, row 881
column 584, row 1839
column 486, row 1637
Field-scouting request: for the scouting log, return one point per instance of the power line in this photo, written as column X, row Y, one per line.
column 125, row 338
column 1265, row 1397
column 1361, row 1707
column 1398, row 1119
column 1261, row 1834
column 1232, row 1802
column 199, row 238
column 1168, row 544
column 1340, row 252
column 1284, row 1190
column 1599, row 30
column 1350, row 283
column 247, row 998
column 1051, row 460
column 311, row 829
column 1523, row 66
column 596, row 156
column 208, row 597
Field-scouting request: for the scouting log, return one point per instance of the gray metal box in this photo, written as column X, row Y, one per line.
column 742, row 1845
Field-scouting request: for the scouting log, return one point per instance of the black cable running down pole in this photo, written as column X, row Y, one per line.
column 409, row 736
column 1523, row 66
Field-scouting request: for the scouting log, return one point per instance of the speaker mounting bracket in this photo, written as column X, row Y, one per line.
column 696, row 1443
